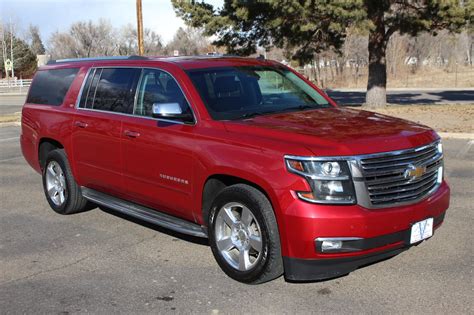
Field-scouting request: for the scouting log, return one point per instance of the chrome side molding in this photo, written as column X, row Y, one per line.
column 146, row 214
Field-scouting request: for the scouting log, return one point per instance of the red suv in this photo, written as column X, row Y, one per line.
column 244, row 152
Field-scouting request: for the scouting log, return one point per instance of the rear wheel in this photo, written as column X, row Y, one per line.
column 243, row 235
column 61, row 190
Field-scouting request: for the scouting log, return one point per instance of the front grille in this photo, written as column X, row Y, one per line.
column 385, row 180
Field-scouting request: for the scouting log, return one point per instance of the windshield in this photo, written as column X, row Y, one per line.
column 244, row 92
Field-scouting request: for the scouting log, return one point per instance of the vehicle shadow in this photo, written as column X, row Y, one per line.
column 181, row 236
column 405, row 97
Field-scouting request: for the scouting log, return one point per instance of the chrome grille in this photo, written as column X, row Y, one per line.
column 385, row 175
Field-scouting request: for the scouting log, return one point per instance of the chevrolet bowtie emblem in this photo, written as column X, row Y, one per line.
column 413, row 172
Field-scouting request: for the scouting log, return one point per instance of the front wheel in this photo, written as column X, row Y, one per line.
column 243, row 234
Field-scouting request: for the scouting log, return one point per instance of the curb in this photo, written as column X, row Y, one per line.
column 14, row 94
column 456, row 135
column 403, row 89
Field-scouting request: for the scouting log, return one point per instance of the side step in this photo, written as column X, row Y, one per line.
column 144, row 213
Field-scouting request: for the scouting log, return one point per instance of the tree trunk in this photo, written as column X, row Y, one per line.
column 377, row 80
column 471, row 49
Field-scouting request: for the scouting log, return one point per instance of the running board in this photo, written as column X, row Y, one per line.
column 144, row 213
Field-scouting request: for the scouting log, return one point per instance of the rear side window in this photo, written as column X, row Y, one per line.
column 110, row 89
column 50, row 86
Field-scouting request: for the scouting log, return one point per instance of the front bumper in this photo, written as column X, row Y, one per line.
column 319, row 269
column 382, row 232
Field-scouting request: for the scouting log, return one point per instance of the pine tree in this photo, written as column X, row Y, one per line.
column 36, row 46
column 310, row 27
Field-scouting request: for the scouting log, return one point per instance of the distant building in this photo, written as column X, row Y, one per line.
column 43, row 59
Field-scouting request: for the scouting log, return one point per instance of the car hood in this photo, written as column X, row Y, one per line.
column 337, row 131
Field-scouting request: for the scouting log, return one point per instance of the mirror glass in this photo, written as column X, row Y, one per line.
column 166, row 110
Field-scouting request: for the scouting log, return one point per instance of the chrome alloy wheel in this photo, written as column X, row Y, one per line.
column 55, row 183
column 238, row 236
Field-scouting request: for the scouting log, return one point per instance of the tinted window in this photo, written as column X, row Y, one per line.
column 50, row 86
column 242, row 92
column 113, row 89
column 158, row 87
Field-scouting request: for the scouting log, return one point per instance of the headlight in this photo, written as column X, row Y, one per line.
column 441, row 169
column 330, row 181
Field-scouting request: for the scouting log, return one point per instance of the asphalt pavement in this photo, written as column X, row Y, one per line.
column 96, row 262
column 11, row 103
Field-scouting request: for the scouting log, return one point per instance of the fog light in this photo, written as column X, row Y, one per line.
column 331, row 245
column 338, row 244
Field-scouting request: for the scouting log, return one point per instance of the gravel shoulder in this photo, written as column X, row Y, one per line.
column 456, row 118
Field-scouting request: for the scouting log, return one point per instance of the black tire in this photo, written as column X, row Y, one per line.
column 73, row 202
column 269, row 265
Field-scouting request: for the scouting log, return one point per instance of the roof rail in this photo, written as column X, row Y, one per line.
column 133, row 57
column 205, row 56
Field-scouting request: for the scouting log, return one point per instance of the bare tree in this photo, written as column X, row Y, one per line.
column 62, row 45
column 465, row 47
column 397, row 48
column 84, row 39
column 88, row 39
column 128, row 42
column 94, row 39
column 355, row 52
column 189, row 41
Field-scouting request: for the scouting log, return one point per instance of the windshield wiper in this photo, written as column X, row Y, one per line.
column 250, row 115
column 289, row 109
column 253, row 114
column 300, row 107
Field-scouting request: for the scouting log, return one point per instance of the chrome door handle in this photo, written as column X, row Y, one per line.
column 80, row 124
column 131, row 134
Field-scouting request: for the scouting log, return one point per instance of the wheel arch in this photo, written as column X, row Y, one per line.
column 216, row 182
column 45, row 146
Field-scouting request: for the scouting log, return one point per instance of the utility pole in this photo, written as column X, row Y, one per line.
column 141, row 50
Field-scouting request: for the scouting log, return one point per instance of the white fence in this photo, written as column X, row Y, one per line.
column 15, row 86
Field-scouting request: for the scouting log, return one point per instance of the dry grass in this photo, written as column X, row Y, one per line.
column 462, row 77
column 435, row 78
column 442, row 118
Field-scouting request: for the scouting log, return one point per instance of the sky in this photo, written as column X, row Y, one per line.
column 58, row 15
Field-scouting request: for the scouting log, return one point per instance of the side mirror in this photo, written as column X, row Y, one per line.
column 170, row 111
